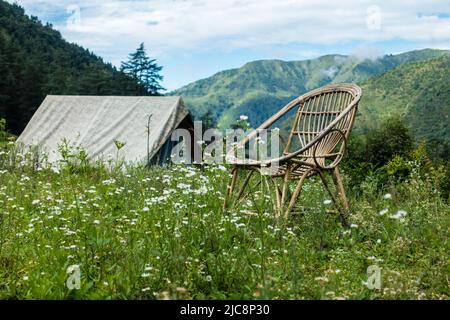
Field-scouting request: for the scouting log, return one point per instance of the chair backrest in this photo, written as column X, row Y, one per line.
column 329, row 112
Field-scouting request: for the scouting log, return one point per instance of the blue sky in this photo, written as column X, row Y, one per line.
column 194, row 39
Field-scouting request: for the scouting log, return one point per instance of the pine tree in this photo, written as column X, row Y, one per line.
column 145, row 72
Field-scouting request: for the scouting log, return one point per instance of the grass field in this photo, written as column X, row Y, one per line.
column 161, row 233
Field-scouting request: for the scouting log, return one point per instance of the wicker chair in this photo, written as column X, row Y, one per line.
column 316, row 144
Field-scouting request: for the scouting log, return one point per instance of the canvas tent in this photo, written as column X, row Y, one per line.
column 95, row 122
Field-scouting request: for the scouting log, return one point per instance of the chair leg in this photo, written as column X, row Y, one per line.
column 278, row 194
column 230, row 187
column 244, row 185
column 285, row 185
column 337, row 178
column 342, row 211
column 296, row 193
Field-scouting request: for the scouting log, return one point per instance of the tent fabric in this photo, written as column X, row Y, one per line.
column 94, row 123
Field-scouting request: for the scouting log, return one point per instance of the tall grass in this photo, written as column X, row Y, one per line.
column 160, row 233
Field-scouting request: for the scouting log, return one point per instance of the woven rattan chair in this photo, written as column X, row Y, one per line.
column 322, row 121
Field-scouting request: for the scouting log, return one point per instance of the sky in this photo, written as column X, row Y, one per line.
column 193, row 39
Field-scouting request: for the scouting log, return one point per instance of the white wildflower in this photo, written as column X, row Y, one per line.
column 109, row 182
column 399, row 215
column 321, row 279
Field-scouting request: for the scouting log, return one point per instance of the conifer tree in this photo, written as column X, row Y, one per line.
column 145, row 71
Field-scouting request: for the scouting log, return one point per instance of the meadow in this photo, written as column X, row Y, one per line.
column 161, row 233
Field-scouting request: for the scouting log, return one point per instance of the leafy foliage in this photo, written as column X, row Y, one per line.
column 390, row 139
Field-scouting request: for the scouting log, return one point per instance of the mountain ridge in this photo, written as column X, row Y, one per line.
column 266, row 85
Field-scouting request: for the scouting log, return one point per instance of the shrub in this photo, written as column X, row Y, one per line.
column 391, row 139
column 3, row 134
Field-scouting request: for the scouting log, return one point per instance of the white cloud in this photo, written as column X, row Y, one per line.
column 192, row 24
column 330, row 72
column 175, row 27
column 366, row 52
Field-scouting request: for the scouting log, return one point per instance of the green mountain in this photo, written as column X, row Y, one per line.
column 35, row 61
column 419, row 92
column 260, row 88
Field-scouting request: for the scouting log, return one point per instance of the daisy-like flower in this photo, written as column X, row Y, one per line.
column 321, row 279
column 327, row 202
column 387, row 196
column 243, row 118
column 399, row 215
column 383, row 212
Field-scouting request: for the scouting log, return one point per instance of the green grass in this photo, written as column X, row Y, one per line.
column 160, row 233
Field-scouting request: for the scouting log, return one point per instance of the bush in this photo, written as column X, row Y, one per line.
column 3, row 134
column 387, row 153
column 391, row 139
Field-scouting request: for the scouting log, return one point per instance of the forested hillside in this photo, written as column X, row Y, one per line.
column 419, row 92
column 260, row 88
column 35, row 61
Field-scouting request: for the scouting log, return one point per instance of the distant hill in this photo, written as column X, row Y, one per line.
column 35, row 61
column 419, row 92
column 260, row 88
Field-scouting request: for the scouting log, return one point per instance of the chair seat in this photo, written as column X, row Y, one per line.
column 296, row 173
column 300, row 169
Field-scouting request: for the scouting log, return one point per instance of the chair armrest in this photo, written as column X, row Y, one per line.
column 266, row 124
column 313, row 144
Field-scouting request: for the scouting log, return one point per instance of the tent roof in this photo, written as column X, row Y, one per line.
column 94, row 122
